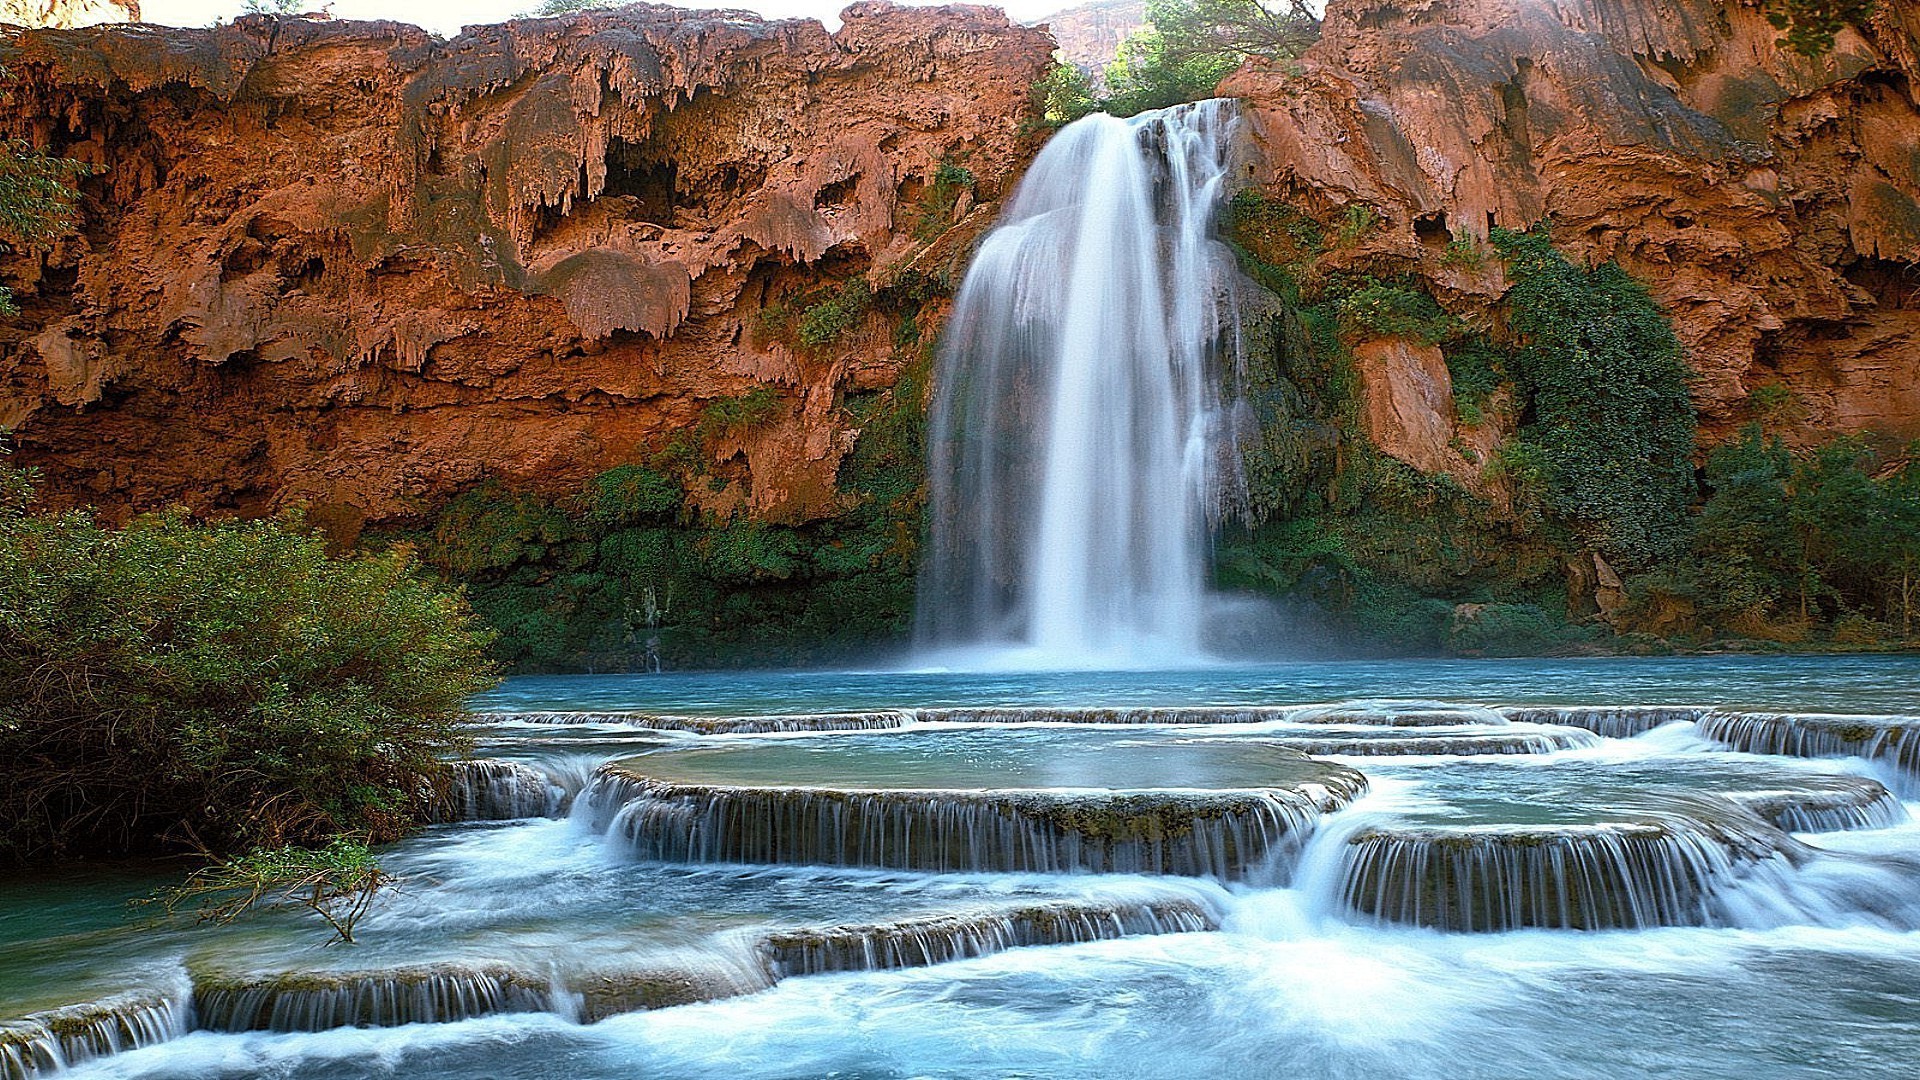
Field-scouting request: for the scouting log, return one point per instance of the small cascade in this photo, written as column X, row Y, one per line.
column 1892, row 739
column 47, row 1042
column 487, row 790
column 1861, row 804
column 1203, row 714
column 1466, row 744
column 1609, row 722
column 1395, row 714
column 942, row 939
column 681, row 980
column 1664, row 870
column 1080, row 435
column 316, row 1001
column 708, row 725
column 1227, row 834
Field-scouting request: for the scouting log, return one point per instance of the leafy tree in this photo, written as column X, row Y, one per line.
column 1812, row 25
column 1147, row 75
column 1064, row 94
column 216, row 687
column 36, row 197
column 1191, row 29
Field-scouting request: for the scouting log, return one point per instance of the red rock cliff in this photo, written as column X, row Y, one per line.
column 1771, row 201
column 351, row 265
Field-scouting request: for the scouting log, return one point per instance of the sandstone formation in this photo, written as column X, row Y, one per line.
column 1771, row 201
column 1089, row 36
column 354, row 266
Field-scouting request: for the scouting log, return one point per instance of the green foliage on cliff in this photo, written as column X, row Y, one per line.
column 179, row 685
column 36, row 198
column 628, row 573
column 1062, row 95
column 1181, row 55
column 1812, row 25
column 1151, row 72
column 1786, row 542
column 1819, row 547
column 1606, row 402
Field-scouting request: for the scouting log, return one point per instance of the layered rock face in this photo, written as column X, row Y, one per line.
column 1771, row 202
column 353, row 266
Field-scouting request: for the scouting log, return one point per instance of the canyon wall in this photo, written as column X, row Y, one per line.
column 352, row 266
column 1770, row 200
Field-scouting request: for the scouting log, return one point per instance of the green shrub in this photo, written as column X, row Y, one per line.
column 37, row 196
column 745, row 553
column 632, row 494
column 490, row 529
column 1608, row 408
column 1356, row 223
column 337, row 883
column 177, row 685
column 1149, row 73
column 824, row 322
column 1509, row 630
column 1395, row 309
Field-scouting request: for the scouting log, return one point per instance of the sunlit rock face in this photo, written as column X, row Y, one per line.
column 1769, row 200
column 353, row 265
column 65, row 14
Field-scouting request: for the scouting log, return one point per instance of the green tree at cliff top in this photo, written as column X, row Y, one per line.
column 36, row 197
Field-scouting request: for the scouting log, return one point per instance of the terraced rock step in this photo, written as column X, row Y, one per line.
column 1893, row 739
column 1033, row 800
column 1660, row 870
column 488, row 790
column 49, row 1041
column 1227, row 835
column 941, row 939
column 55, row 1039
column 1818, row 803
column 316, row 1001
column 709, row 725
column 1538, row 740
column 1612, row 722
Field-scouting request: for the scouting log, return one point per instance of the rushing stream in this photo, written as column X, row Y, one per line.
column 1421, row 869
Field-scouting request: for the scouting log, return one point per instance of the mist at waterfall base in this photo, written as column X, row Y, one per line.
column 1083, row 437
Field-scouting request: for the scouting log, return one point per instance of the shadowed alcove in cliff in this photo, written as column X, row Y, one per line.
column 634, row 172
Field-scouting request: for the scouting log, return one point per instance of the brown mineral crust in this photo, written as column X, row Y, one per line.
column 1771, row 202
column 351, row 265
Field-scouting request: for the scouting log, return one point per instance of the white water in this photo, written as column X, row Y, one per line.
column 1079, row 429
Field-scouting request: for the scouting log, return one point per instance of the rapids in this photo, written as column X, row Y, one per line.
column 936, row 895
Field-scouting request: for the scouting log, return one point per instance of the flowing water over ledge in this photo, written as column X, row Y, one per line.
column 928, row 890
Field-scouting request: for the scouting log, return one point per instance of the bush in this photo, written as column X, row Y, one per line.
column 1508, row 630
column 632, row 494
column 174, row 685
column 1395, row 309
column 823, row 323
column 1608, row 405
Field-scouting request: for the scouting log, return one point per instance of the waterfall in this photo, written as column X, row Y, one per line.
column 1079, row 429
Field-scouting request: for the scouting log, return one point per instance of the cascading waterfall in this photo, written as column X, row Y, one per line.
column 1079, row 423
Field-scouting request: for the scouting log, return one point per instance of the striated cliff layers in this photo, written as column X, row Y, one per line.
column 1771, row 201
column 357, row 267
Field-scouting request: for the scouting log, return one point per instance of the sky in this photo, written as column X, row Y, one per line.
column 445, row 17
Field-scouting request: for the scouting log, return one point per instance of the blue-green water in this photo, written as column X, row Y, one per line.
column 1851, row 684
column 1810, row 970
